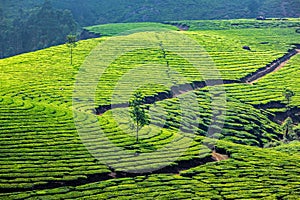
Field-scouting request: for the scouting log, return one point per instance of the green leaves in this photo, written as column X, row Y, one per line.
column 288, row 94
column 71, row 43
column 35, row 28
column 137, row 112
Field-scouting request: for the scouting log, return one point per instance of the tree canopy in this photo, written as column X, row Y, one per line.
column 33, row 29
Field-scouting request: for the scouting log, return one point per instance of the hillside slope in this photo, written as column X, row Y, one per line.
column 51, row 148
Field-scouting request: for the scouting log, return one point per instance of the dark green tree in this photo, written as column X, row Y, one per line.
column 297, row 131
column 31, row 28
column 71, row 43
column 288, row 130
column 288, row 94
column 137, row 113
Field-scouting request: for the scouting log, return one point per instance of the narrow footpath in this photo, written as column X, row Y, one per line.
column 184, row 88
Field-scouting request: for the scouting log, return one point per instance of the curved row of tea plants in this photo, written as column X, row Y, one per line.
column 39, row 147
column 250, row 173
column 271, row 87
column 238, row 24
column 47, row 76
column 121, row 28
column 230, row 120
column 229, row 61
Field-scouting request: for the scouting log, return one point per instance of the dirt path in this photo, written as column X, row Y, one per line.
column 177, row 90
column 269, row 68
column 275, row 70
column 219, row 157
column 281, row 65
column 173, row 93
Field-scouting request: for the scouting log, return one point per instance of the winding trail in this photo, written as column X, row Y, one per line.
column 276, row 69
column 219, row 157
column 269, row 68
column 177, row 90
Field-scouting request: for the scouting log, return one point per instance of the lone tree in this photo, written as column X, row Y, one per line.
column 137, row 113
column 288, row 127
column 289, row 133
column 288, row 94
column 71, row 43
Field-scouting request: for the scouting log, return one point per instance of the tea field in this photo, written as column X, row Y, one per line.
column 120, row 28
column 210, row 131
column 250, row 173
column 194, row 25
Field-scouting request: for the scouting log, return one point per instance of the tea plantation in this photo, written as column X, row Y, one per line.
column 209, row 134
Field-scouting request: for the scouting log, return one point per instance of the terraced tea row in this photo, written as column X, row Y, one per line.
column 271, row 87
column 49, row 139
column 251, row 173
column 45, row 75
column 230, row 61
column 194, row 25
column 233, row 121
column 121, row 28
column 40, row 148
column 113, row 143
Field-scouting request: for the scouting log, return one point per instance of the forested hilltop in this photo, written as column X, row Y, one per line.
column 29, row 28
column 33, row 24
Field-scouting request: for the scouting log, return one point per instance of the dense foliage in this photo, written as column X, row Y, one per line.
column 33, row 29
column 33, row 24
column 99, row 11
